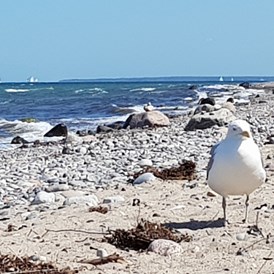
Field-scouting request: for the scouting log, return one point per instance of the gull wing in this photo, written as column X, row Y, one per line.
column 211, row 160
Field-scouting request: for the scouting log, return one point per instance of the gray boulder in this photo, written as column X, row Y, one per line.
column 58, row 130
column 147, row 119
column 205, row 120
column 204, row 107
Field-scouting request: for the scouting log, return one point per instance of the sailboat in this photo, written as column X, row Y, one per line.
column 221, row 79
column 32, row 79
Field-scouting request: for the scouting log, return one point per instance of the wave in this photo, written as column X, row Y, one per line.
column 16, row 90
column 98, row 90
column 30, row 131
column 127, row 109
column 143, row 89
column 95, row 91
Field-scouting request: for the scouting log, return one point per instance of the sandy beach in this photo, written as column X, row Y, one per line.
column 63, row 231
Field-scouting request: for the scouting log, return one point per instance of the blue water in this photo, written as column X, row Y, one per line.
column 84, row 100
column 84, row 105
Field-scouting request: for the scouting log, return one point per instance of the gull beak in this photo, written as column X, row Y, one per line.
column 246, row 134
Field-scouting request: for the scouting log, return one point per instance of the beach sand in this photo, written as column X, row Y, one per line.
column 67, row 235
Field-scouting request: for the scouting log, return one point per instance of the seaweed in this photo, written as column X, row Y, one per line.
column 143, row 234
column 185, row 171
column 13, row 264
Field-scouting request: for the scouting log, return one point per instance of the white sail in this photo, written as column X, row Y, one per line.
column 32, row 79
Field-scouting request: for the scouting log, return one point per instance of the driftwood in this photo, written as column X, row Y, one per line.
column 113, row 258
column 140, row 237
column 14, row 264
column 185, row 171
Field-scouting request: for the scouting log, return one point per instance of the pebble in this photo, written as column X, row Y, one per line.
column 165, row 247
column 146, row 177
column 114, row 200
column 44, row 197
column 90, row 200
column 101, row 253
column 57, row 187
column 241, row 236
column 145, row 162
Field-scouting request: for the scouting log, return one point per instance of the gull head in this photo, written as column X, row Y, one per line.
column 239, row 129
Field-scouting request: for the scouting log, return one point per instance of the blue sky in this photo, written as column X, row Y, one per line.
column 61, row 39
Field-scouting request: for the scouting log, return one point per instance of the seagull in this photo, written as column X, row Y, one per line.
column 148, row 107
column 235, row 166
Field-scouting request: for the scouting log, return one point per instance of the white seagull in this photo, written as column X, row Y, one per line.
column 148, row 107
column 236, row 167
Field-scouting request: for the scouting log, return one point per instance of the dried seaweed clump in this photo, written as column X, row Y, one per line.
column 185, row 171
column 14, row 264
column 140, row 237
column 100, row 209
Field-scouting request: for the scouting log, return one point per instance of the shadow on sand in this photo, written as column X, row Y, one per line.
column 195, row 224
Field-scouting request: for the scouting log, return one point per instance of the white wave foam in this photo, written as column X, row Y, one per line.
column 98, row 90
column 29, row 131
column 16, row 90
column 188, row 99
column 79, row 90
column 143, row 89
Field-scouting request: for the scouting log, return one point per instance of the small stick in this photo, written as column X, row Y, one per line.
column 264, row 263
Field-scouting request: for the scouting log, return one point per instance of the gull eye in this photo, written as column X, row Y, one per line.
column 234, row 128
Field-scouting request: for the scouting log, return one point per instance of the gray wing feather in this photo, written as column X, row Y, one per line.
column 211, row 160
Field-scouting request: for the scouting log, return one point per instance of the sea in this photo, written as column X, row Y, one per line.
column 85, row 104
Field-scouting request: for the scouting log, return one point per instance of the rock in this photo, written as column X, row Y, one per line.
column 208, row 101
column 58, row 130
column 241, row 236
column 44, row 197
column 90, row 200
column 245, row 85
column 73, row 138
column 230, row 100
column 29, row 215
column 204, row 107
column 88, row 138
column 113, row 200
column 230, row 106
column 101, row 253
column 103, row 129
column 19, row 140
column 165, row 247
column 145, row 162
column 146, row 177
column 219, row 117
column 57, row 187
column 147, row 119
column 82, row 150
column 67, row 150
column 116, row 125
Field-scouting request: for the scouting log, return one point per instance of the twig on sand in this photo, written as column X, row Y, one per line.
column 240, row 251
column 113, row 258
column 264, row 263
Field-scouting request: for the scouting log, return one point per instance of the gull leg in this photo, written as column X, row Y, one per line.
column 246, row 208
column 224, row 209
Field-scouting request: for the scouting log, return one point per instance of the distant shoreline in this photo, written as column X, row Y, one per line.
column 164, row 79
column 226, row 79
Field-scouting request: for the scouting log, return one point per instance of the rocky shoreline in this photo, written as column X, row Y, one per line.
column 52, row 187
